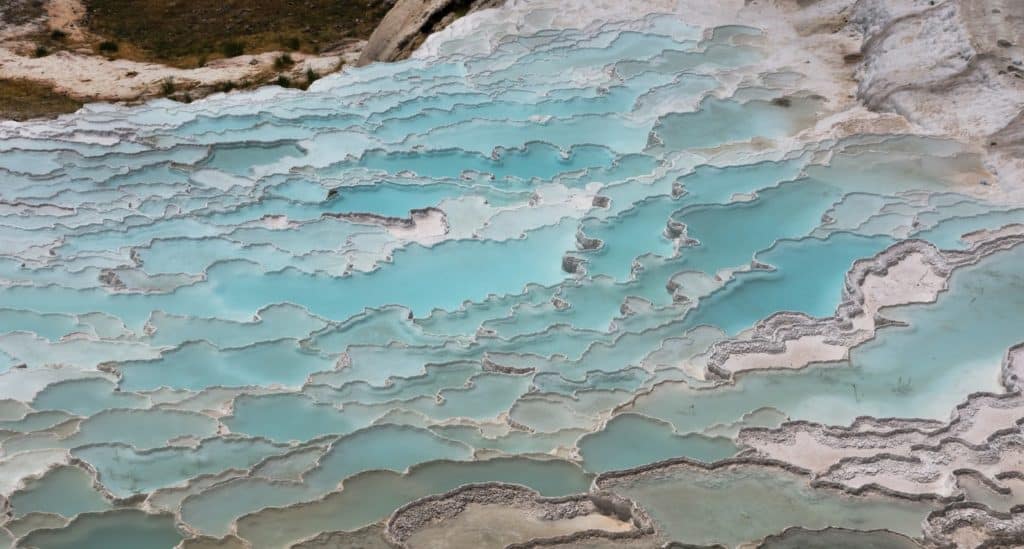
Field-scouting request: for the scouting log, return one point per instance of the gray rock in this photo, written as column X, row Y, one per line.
column 410, row 22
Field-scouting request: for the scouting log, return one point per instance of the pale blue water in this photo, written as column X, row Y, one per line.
column 187, row 308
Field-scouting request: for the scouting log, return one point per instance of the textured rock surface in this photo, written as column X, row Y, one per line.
column 579, row 274
column 410, row 22
column 942, row 65
column 438, row 521
column 973, row 525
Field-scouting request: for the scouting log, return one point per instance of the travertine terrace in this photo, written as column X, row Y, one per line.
column 577, row 274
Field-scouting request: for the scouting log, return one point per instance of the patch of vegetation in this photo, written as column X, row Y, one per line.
column 311, row 76
column 283, row 62
column 284, row 82
column 232, row 48
column 48, row 42
column 108, row 47
column 167, row 87
column 19, row 12
column 178, row 33
column 23, row 99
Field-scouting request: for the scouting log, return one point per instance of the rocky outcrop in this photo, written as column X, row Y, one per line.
column 410, row 22
column 974, row 525
column 582, row 517
column 953, row 67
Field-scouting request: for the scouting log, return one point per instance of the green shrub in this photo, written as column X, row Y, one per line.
column 58, row 35
column 283, row 62
column 167, row 87
column 163, row 48
column 232, row 48
column 108, row 47
column 41, row 51
column 291, row 43
column 284, row 82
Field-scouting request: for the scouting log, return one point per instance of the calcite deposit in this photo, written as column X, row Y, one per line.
column 577, row 274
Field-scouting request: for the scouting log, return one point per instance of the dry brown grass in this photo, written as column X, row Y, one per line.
column 22, row 99
column 18, row 12
column 186, row 33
